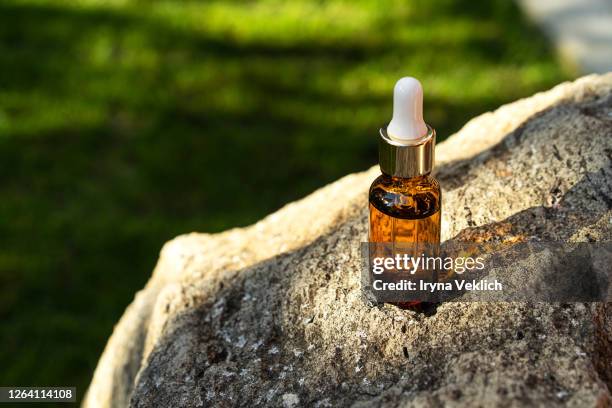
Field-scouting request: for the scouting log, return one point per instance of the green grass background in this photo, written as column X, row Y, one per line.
column 126, row 123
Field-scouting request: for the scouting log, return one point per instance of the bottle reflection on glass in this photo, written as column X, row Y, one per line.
column 405, row 210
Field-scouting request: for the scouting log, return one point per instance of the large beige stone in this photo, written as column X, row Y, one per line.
column 272, row 314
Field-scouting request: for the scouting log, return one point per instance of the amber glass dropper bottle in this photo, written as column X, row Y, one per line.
column 405, row 201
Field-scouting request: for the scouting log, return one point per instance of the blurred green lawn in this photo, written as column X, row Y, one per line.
column 126, row 123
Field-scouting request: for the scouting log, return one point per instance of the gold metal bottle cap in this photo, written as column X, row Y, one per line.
column 406, row 158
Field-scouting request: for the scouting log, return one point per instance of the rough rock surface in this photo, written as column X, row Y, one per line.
column 272, row 314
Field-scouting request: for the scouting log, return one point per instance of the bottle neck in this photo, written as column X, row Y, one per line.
column 407, row 159
column 414, row 179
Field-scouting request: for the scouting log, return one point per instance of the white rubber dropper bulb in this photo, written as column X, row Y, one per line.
column 407, row 123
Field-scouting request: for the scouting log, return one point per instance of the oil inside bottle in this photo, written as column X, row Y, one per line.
column 391, row 229
column 405, row 212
